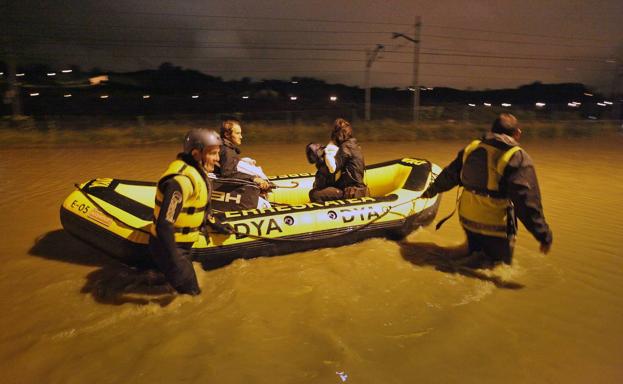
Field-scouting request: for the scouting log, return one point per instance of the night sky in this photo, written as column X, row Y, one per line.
column 464, row 44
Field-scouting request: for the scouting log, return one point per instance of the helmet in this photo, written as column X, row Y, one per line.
column 200, row 138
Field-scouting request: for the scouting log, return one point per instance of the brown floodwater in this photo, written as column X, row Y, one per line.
column 373, row 312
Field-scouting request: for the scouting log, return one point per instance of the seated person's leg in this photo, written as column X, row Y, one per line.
column 325, row 194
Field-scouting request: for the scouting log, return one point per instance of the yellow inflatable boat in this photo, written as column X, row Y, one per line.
column 114, row 215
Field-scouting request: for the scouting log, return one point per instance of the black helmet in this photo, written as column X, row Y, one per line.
column 200, row 138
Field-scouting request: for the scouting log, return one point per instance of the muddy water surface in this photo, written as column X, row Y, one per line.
column 374, row 312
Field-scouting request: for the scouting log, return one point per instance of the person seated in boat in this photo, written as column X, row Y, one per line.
column 232, row 166
column 182, row 208
column 340, row 166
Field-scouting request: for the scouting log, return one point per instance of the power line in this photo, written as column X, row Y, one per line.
column 290, row 48
column 211, row 29
column 255, row 30
column 343, row 21
column 306, row 20
column 279, row 46
column 514, row 33
column 516, row 42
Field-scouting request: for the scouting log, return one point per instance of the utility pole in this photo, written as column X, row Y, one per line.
column 371, row 56
column 416, row 63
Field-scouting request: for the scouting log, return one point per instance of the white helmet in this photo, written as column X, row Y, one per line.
column 200, row 138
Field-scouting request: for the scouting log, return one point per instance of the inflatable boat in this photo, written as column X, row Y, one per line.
column 114, row 215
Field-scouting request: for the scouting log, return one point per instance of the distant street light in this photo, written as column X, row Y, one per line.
column 195, row 96
column 67, row 71
column 471, row 104
column 293, row 98
column 67, row 95
column 20, row 74
column 245, row 97
column 506, row 104
column 104, row 97
column 34, row 94
column 146, row 96
column 51, row 74
column 333, row 98
column 486, row 104
column 539, row 104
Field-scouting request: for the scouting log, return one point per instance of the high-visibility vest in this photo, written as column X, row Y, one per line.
column 195, row 196
column 484, row 209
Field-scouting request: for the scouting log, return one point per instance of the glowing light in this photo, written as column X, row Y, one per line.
column 245, row 97
column 486, row 104
column 430, row 88
column 104, row 97
column 293, row 98
column 471, row 104
column 1, row 73
column 333, row 98
column 34, row 94
column 146, row 96
column 601, row 104
column 539, row 104
column 20, row 74
column 607, row 102
column 574, row 104
column 588, row 94
column 195, row 96
column 51, row 74
column 67, row 95
column 67, row 71
column 506, row 104
column 411, row 89
column 98, row 79
column 294, row 82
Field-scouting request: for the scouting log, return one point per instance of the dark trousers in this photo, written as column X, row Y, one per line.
column 177, row 268
column 325, row 194
column 496, row 249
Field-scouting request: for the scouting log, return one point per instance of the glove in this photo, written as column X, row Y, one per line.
column 223, row 228
column 544, row 248
column 263, row 184
column 217, row 226
column 427, row 194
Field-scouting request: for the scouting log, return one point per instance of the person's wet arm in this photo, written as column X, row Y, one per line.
column 449, row 177
column 169, row 211
column 523, row 190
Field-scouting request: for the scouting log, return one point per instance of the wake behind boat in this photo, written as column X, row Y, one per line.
column 114, row 215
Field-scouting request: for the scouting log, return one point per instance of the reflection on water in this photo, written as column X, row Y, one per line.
column 374, row 312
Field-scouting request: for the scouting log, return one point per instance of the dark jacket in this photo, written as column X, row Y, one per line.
column 519, row 184
column 229, row 157
column 349, row 161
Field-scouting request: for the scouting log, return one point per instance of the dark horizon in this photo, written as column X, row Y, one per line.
column 481, row 46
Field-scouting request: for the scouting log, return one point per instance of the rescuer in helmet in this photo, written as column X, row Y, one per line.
column 182, row 209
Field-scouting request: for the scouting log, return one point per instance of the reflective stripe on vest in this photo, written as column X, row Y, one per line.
column 195, row 193
column 485, row 211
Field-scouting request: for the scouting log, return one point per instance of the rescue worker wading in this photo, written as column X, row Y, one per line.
column 500, row 184
column 182, row 207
